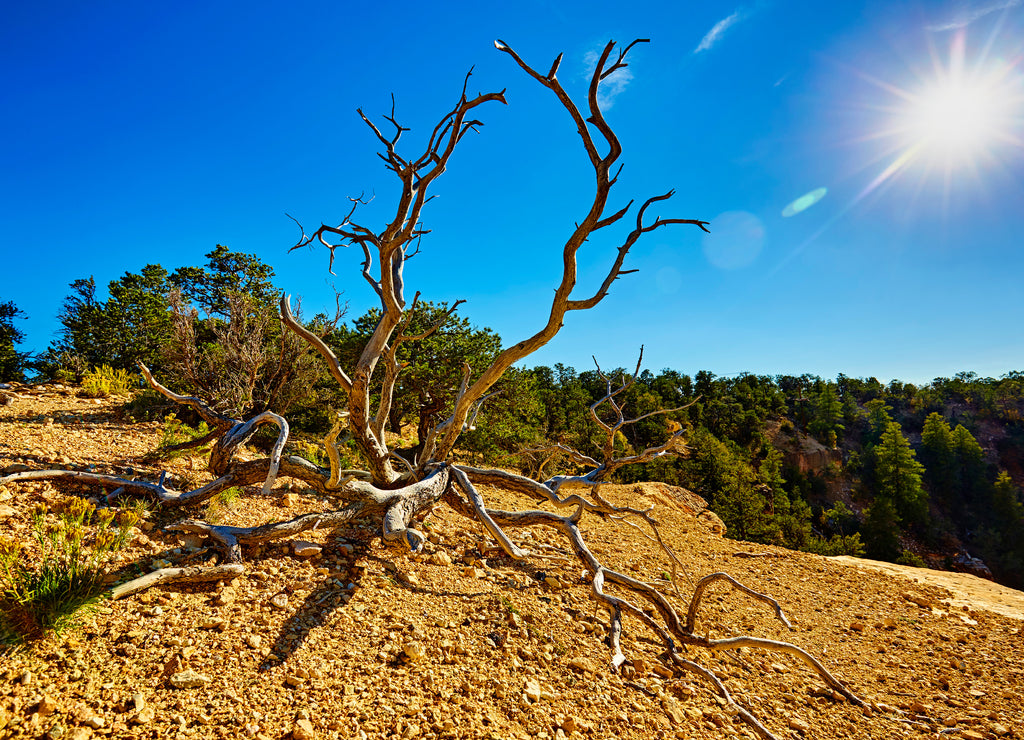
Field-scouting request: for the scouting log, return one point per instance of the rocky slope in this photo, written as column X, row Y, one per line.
column 348, row 638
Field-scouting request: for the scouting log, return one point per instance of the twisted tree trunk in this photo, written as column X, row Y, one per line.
column 394, row 491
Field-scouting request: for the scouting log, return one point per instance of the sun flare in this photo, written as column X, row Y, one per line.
column 961, row 117
column 954, row 119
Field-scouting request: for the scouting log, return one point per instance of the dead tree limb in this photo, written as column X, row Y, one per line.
column 395, row 495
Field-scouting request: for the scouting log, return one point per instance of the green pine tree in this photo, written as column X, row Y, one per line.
column 881, row 529
column 898, row 475
column 828, row 414
column 937, row 456
column 879, row 418
column 970, row 467
column 226, row 273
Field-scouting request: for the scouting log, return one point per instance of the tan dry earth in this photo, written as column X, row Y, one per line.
column 364, row 641
column 965, row 590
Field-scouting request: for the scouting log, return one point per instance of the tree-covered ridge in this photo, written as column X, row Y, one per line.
column 895, row 471
column 855, row 466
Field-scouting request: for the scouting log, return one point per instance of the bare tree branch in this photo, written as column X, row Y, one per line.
column 397, row 491
column 442, row 441
column 316, row 343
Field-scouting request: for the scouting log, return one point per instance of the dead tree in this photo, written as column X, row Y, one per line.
column 394, row 489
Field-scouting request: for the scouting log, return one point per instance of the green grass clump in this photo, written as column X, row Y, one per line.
column 312, row 452
column 176, row 435
column 47, row 588
column 221, row 504
column 105, row 381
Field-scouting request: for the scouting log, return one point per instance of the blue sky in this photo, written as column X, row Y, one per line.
column 138, row 133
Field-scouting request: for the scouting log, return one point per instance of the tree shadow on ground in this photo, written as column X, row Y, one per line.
column 323, row 600
column 317, row 608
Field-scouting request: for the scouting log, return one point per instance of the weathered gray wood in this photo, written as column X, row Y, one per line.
column 194, row 574
column 396, row 495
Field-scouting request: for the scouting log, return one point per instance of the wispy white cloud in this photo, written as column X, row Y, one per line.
column 717, row 31
column 968, row 15
column 613, row 85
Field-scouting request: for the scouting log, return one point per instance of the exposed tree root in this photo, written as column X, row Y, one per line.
column 397, row 495
column 194, row 574
column 456, row 486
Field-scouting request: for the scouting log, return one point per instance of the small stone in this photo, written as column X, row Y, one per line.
column 254, row 641
column 795, row 723
column 25, row 679
column 6, row 512
column 294, row 679
column 532, row 690
column 922, row 601
column 280, row 601
column 553, row 582
column 674, row 710
column 470, row 572
column 441, row 558
column 214, row 623
column 138, row 702
column 95, row 722
column 47, row 706
column 289, row 500
column 79, row 733
column 226, row 596
column 1000, row 730
column 581, row 666
column 662, row 671
column 144, row 717
column 858, row 626
column 303, row 730
column 191, row 542
column 304, row 549
column 414, row 651
column 188, row 679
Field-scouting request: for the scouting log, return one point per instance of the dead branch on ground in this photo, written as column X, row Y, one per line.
column 394, row 496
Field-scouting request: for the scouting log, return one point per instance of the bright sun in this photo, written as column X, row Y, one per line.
column 962, row 116
column 954, row 119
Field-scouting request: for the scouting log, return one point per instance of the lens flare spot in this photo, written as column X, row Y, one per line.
column 804, row 202
column 735, row 240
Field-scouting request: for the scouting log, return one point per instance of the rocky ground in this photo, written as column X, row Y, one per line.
column 347, row 638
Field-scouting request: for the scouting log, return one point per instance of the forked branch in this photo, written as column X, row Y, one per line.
column 396, row 492
column 441, row 442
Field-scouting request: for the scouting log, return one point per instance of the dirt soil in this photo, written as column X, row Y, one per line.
column 365, row 641
column 965, row 589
